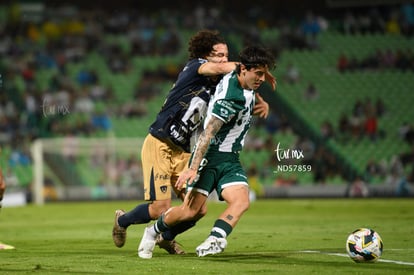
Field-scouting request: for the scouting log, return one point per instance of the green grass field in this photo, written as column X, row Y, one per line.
column 272, row 238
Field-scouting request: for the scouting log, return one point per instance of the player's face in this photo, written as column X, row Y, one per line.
column 219, row 54
column 253, row 78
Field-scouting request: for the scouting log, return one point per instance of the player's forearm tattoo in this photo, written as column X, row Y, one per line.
column 229, row 217
column 211, row 130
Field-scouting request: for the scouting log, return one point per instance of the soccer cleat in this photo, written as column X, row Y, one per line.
column 4, row 246
column 118, row 232
column 146, row 246
column 172, row 247
column 212, row 245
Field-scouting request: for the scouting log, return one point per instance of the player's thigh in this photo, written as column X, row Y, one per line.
column 179, row 162
column 232, row 184
column 156, row 167
column 205, row 183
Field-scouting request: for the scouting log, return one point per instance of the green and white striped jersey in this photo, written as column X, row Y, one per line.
column 234, row 106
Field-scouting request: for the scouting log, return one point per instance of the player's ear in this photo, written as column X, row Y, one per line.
column 242, row 68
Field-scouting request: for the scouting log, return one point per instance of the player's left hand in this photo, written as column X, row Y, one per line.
column 261, row 108
column 186, row 177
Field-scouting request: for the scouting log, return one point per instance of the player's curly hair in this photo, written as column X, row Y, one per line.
column 256, row 56
column 201, row 44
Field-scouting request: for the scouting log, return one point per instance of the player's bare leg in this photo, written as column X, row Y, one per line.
column 237, row 198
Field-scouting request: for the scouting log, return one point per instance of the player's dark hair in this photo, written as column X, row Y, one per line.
column 256, row 56
column 201, row 44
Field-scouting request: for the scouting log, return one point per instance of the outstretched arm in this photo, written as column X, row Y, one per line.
column 204, row 140
column 213, row 68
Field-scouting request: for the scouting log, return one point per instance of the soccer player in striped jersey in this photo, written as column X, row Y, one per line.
column 166, row 149
column 215, row 160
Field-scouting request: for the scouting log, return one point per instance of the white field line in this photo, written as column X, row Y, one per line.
column 346, row 255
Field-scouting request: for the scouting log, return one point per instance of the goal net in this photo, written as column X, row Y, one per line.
column 74, row 168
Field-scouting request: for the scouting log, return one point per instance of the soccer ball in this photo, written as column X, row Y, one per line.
column 364, row 245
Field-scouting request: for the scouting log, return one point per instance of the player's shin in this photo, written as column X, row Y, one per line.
column 177, row 229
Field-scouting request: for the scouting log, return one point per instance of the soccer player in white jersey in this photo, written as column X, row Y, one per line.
column 215, row 160
column 166, row 149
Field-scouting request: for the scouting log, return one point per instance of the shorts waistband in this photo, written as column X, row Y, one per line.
column 170, row 144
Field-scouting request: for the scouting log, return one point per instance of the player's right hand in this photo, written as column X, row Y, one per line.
column 186, row 177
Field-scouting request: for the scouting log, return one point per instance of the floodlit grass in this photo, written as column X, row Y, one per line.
column 272, row 237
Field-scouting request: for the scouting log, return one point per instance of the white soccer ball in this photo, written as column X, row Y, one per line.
column 364, row 245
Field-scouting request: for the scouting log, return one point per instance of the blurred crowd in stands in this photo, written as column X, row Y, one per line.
column 398, row 20
column 54, row 37
column 396, row 59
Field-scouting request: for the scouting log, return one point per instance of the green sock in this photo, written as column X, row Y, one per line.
column 221, row 229
column 160, row 226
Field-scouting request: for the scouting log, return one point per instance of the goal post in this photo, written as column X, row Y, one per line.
column 78, row 168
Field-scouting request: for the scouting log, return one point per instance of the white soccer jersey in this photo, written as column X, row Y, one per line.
column 234, row 106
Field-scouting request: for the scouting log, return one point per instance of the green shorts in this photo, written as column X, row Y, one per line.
column 219, row 170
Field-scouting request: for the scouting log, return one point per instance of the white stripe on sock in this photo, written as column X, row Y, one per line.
column 220, row 231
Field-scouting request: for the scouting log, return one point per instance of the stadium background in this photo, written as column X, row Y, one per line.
column 86, row 70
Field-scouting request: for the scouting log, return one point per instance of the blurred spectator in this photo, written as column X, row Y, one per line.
column 396, row 177
column 371, row 127
column 100, row 119
column 292, row 75
column 49, row 190
column 311, row 93
column 310, row 28
column 389, row 59
column 392, row 26
column 350, row 24
column 407, row 158
column 380, row 107
column 86, row 77
column 327, row 130
column 407, row 20
column 83, row 102
column 70, row 146
column 374, row 169
column 319, row 166
column 344, row 128
column 377, row 21
column 358, row 189
column 18, row 157
column 342, row 64
column 406, row 132
column 256, row 188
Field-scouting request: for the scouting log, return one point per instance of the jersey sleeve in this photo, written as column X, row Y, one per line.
column 225, row 110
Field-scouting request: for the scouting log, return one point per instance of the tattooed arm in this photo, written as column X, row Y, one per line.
column 203, row 142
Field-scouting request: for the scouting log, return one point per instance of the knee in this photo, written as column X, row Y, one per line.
column 188, row 213
column 244, row 205
column 157, row 208
column 201, row 213
column 241, row 205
